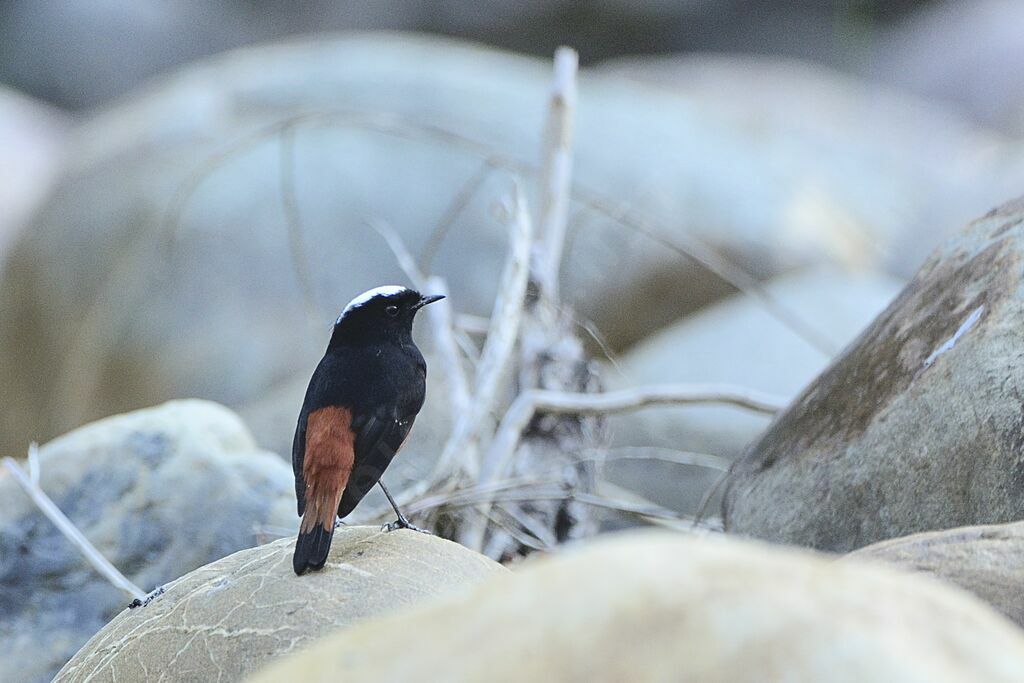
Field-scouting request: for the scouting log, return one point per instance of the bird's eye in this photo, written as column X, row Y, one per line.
column 391, row 311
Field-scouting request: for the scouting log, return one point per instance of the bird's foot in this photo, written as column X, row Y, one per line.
column 155, row 593
column 339, row 523
column 403, row 523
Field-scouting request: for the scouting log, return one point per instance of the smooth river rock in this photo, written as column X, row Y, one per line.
column 227, row 619
column 985, row 560
column 656, row 606
column 918, row 425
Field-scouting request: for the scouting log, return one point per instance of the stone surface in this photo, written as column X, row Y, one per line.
column 163, row 265
column 159, row 492
column 229, row 618
column 660, row 607
column 985, row 560
column 735, row 342
column 917, row 425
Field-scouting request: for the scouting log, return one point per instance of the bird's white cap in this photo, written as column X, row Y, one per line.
column 385, row 290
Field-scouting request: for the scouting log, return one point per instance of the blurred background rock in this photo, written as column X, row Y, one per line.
column 186, row 187
column 832, row 144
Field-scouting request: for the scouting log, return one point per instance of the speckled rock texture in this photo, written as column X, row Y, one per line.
column 985, row 560
column 159, row 492
column 918, row 425
column 666, row 607
column 229, row 618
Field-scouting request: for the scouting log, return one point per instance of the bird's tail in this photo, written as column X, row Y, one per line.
column 315, row 533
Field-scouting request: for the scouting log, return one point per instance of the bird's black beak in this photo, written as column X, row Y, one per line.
column 427, row 300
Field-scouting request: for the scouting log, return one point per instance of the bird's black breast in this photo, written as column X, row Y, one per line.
column 388, row 376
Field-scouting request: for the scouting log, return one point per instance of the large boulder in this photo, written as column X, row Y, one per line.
column 985, row 560
column 659, row 607
column 159, row 492
column 917, row 426
column 163, row 264
column 229, row 618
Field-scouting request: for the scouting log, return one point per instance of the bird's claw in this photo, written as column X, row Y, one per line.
column 402, row 523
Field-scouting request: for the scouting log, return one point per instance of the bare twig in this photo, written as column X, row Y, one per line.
column 661, row 454
column 439, row 315
column 455, row 207
column 71, row 532
column 498, row 349
column 293, row 222
column 530, row 524
column 473, row 324
column 33, row 463
column 717, row 265
column 402, row 254
column 531, row 402
column 556, row 171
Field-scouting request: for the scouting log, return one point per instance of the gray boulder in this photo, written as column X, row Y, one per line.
column 229, row 618
column 917, row 425
column 159, row 492
column 985, row 560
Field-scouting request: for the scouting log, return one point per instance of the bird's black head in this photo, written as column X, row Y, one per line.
column 379, row 315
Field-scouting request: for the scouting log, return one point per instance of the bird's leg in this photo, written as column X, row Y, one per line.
column 402, row 522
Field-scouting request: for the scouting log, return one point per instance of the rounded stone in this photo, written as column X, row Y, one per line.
column 229, row 618
column 658, row 607
column 917, row 425
column 985, row 560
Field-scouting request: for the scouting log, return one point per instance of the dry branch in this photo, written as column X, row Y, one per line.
column 528, row 404
column 498, row 351
column 556, row 170
column 439, row 314
column 71, row 532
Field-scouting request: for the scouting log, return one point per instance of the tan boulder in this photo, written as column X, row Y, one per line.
column 229, row 618
column 665, row 607
column 985, row 560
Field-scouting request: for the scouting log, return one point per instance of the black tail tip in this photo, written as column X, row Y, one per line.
column 311, row 550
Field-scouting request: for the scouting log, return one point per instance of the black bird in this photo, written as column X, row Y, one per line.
column 359, row 407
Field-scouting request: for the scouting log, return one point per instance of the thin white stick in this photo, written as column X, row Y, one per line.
column 405, row 260
column 529, row 403
column 439, row 314
column 556, row 170
column 472, row 324
column 33, row 463
column 71, row 532
column 498, row 351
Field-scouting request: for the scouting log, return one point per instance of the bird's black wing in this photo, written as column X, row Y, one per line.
column 298, row 455
column 379, row 435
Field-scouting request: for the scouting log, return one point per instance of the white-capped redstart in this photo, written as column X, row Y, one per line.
column 359, row 407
